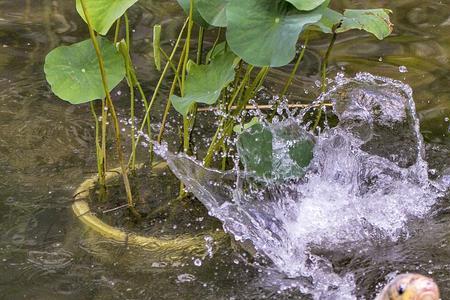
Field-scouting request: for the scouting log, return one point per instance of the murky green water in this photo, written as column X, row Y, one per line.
column 46, row 150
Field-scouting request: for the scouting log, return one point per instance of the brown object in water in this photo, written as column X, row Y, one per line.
column 410, row 287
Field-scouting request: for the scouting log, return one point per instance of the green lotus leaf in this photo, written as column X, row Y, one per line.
column 265, row 32
column 255, row 150
column 241, row 127
column 204, row 83
column 213, row 11
column 277, row 151
column 306, row 4
column 330, row 18
column 196, row 16
column 104, row 12
column 73, row 72
column 375, row 21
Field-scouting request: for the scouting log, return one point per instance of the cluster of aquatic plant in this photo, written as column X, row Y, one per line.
column 253, row 36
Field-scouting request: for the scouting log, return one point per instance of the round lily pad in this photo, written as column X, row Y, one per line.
column 74, row 74
column 265, row 32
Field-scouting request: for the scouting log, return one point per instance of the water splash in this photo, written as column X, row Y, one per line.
column 367, row 179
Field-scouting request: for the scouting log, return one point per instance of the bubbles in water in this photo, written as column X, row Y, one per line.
column 366, row 180
column 197, row 262
column 403, row 69
column 183, row 278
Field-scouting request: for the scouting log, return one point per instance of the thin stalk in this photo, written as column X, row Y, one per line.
column 128, row 66
column 172, row 91
column 223, row 129
column 167, row 58
column 186, row 121
column 111, row 108
column 201, row 35
column 104, row 135
column 297, row 64
column 101, row 173
column 117, row 30
column 161, row 79
column 127, row 31
column 324, row 76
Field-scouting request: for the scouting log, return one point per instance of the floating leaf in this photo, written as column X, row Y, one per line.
column 375, row 21
column 196, row 16
column 104, row 12
column 265, row 32
column 213, row 11
column 276, row 151
column 306, row 4
column 73, row 72
column 205, row 82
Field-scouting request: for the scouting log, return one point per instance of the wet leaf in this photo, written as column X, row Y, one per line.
column 104, row 12
column 330, row 18
column 240, row 128
column 73, row 72
column 265, row 32
column 213, row 11
column 255, row 150
column 196, row 16
column 204, row 83
column 375, row 21
column 276, row 151
column 306, row 4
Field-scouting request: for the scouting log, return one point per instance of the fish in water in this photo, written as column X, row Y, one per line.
column 410, row 287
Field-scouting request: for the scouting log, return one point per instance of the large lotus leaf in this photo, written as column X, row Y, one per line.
column 375, row 21
column 306, row 4
column 73, row 72
column 205, row 82
column 265, row 32
column 196, row 16
column 213, row 11
column 104, row 12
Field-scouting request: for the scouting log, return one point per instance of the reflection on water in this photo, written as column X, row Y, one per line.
column 46, row 151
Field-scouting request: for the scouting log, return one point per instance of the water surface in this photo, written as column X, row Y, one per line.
column 46, row 150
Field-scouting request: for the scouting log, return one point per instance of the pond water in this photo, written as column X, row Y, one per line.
column 46, row 151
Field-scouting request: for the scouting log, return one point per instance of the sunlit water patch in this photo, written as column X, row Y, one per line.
column 367, row 180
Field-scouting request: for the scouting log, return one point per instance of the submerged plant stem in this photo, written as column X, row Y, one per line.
column 110, row 105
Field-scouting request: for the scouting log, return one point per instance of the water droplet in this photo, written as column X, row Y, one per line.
column 197, row 262
column 83, row 70
column 403, row 69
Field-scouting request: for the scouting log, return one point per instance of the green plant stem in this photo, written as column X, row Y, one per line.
column 104, row 135
column 117, row 30
column 101, row 173
column 226, row 125
column 111, row 108
column 160, row 81
column 201, row 35
column 324, row 77
column 128, row 66
column 290, row 79
column 167, row 58
column 186, row 121
column 172, row 91
column 297, row 64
